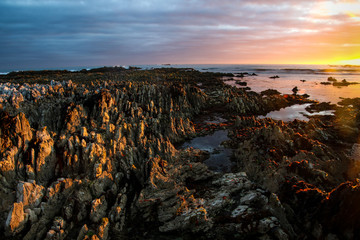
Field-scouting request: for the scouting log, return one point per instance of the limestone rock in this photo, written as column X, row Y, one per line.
column 98, row 209
column 30, row 194
column 45, row 160
column 16, row 219
column 103, row 230
column 99, row 149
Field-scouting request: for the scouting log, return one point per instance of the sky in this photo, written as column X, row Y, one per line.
column 64, row 33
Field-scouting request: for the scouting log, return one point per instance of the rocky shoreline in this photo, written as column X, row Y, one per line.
column 91, row 155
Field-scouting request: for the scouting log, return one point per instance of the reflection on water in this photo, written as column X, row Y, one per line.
column 290, row 76
column 293, row 112
column 312, row 86
column 219, row 160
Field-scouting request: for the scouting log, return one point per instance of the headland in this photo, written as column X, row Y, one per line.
column 97, row 154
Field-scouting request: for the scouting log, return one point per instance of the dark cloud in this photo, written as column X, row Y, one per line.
column 54, row 33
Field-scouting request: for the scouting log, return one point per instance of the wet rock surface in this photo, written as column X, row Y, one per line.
column 333, row 81
column 91, row 155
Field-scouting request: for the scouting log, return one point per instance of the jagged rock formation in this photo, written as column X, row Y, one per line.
column 93, row 158
column 73, row 148
column 305, row 164
column 267, row 149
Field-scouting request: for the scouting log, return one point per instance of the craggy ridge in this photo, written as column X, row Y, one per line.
column 90, row 155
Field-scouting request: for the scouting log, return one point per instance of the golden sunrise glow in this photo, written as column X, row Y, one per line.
column 329, row 34
column 352, row 15
column 351, row 62
column 338, row 42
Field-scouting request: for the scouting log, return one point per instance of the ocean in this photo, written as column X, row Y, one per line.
column 289, row 77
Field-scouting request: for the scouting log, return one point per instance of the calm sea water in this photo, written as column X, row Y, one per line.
column 289, row 77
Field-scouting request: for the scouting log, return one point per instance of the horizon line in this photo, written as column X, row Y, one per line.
column 159, row 64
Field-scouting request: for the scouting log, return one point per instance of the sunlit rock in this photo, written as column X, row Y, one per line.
column 30, row 194
column 16, row 219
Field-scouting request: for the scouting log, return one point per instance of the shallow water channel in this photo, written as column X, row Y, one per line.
column 293, row 112
column 219, row 160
